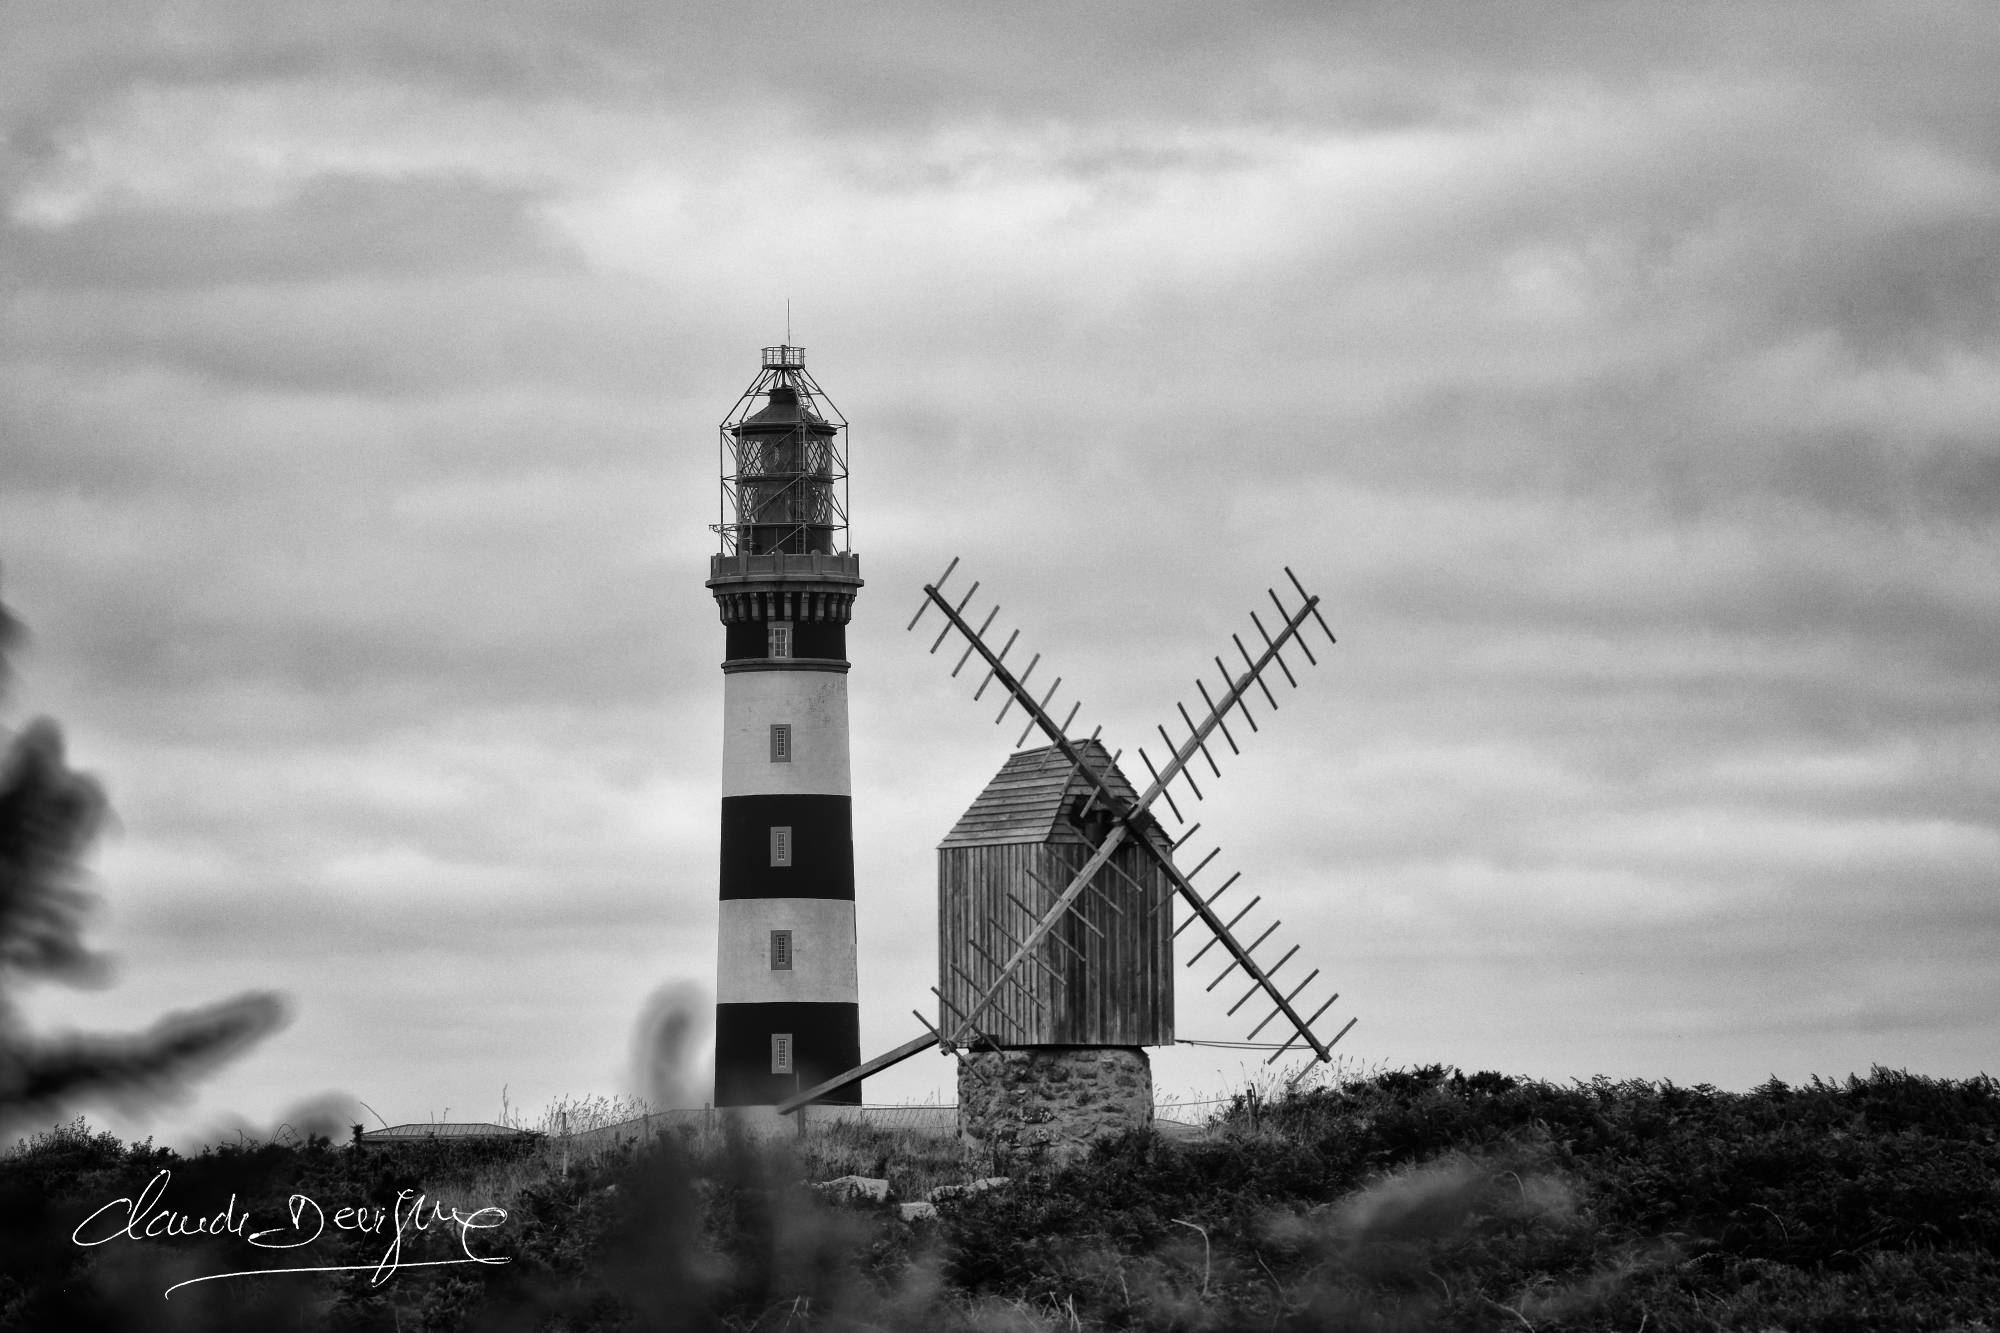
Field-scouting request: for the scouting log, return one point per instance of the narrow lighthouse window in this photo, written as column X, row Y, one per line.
column 781, row 1052
column 781, row 844
column 781, row 951
column 781, row 742
column 780, row 639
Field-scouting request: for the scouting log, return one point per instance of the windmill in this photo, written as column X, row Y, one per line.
column 1050, row 947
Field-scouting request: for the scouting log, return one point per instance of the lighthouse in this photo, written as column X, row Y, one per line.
column 787, row 1013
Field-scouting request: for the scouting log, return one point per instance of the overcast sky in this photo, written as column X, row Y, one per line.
column 1625, row 380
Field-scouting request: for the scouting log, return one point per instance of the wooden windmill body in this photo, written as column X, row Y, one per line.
column 1103, row 977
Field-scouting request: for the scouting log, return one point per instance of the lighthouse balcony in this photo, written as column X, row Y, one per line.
column 777, row 566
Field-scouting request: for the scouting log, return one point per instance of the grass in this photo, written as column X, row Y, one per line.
column 586, row 1134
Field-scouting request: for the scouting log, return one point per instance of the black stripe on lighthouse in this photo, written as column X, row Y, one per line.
column 820, row 855
column 825, row 1040
column 749, row 639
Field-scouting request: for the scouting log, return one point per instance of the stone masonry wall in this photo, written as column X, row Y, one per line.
column 1035, row 1105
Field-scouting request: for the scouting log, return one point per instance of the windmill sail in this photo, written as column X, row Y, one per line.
column 971, row 1002
column 1130, row 813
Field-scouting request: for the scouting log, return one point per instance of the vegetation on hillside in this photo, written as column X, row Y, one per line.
column 1416, row 1199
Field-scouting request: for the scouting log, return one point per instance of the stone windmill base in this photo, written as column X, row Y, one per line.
column 1045, row 1105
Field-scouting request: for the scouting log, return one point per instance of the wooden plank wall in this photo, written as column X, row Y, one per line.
column 1118, row 992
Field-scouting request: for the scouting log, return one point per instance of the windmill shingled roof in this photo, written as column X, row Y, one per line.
column 1024, row 801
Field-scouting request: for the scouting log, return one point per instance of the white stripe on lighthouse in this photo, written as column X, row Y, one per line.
column 822, row 961
column 813, row 704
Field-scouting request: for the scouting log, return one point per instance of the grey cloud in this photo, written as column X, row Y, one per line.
column 1906, row 292
column 419, row 336
column 336, row 226
column 870, row 64
column 886, row 64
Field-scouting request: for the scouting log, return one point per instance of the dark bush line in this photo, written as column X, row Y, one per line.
column 1653, row 1197
column 1422, row 1198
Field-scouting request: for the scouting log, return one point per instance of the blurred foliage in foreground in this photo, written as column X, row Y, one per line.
column 1417, row 1199
column 49, row 815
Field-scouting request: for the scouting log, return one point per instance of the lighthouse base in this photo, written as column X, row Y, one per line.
column 1026, row 1106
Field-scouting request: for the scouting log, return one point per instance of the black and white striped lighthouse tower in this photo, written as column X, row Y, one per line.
column 787, row 1011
